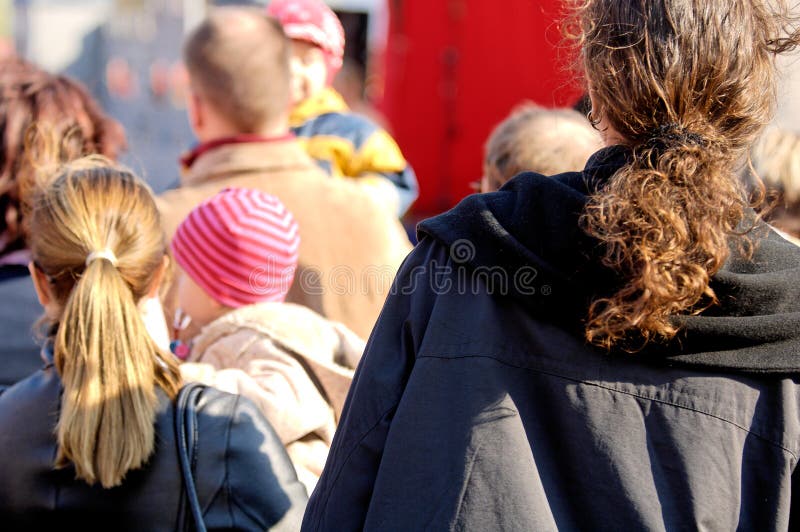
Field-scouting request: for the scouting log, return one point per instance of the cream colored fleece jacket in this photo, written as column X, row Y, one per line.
column 293, row 363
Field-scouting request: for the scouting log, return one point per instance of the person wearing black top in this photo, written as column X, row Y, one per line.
column 615, row 349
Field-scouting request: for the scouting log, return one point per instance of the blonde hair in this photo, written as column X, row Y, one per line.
column 108, row 363
column 535, row 139
column 776, row 158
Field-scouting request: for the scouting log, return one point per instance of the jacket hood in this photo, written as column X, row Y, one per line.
column 528, row 233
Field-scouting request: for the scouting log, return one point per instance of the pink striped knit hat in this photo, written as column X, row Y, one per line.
column 240, row 246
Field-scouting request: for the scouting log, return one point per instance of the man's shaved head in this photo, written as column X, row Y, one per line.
column 238, row 60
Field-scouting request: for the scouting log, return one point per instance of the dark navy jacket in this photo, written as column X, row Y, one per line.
column 478, row 406
column 19, row 310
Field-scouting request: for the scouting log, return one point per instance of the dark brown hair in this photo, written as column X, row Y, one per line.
column 238, row 59
column 687, row 86
column 30, row 96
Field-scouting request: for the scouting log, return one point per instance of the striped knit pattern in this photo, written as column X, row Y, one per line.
column 241, row 246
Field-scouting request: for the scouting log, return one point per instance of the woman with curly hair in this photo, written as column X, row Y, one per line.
column 610, row 349
column 31, row 99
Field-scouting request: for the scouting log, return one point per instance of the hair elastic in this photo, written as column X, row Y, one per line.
column 106, row 254
column 674, row 132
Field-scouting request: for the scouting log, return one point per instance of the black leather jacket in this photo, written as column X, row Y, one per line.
column 245, row 480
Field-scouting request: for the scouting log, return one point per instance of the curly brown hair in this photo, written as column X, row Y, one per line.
column 686, row 85
column 30, row 96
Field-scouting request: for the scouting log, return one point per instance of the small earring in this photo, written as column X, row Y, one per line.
column 592, row 120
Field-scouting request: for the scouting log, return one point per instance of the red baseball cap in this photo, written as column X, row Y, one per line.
column 312, row 21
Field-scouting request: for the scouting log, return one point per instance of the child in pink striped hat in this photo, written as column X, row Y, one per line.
column 238, row 252
column 238, row 248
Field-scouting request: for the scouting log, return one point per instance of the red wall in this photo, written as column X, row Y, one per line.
column 454, row 69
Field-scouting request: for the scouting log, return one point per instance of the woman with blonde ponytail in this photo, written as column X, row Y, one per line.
column 614, row 349
column 95, row 427
column 97, row 220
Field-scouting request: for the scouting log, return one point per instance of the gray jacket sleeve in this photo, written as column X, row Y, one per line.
column 341, row 500
column 794, row 510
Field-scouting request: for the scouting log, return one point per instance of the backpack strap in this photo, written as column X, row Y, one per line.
column 186, row 440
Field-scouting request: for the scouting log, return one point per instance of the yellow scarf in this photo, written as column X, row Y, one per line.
column 327, row 101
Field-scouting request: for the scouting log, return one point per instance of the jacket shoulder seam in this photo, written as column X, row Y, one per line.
column 228, row 491
column 335, row 480
column 464, row 488
column 640, row 396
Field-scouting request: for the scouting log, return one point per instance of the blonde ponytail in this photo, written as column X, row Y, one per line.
column 109, row 365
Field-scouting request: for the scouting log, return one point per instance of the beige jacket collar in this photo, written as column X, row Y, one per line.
column 247, row 157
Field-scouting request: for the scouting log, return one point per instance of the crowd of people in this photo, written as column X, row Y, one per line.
column 605, row 336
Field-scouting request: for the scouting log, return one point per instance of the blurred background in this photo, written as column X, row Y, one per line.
column 438, row 74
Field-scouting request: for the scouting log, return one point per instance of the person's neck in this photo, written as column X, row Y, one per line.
column 224, row 132
column 211, row 142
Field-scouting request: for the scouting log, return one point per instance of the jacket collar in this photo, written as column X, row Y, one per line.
column 47, row 354
column 244, row 155
column 533, row 223
column 327, row 101
column 188, row 158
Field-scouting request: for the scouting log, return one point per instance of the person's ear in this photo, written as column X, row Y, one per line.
column 41, row 285
column 196, row 111
column 158, row 278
